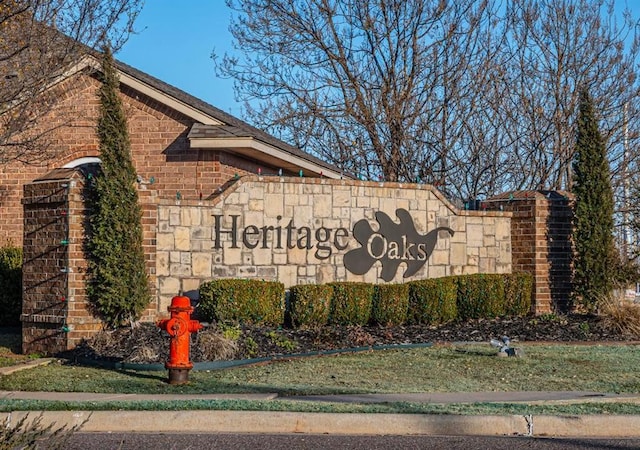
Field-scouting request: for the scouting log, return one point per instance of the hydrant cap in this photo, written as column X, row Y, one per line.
column 180, row 301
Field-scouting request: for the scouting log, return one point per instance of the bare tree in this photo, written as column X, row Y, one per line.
column 380, row 88
column 40, row 40
column 553, row 48
column 476, row 96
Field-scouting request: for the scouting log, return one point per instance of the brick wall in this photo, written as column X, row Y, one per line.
column 46, row 281
column 541, row 229
column 55, row 315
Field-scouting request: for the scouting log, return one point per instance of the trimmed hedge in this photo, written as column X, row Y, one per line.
column 351, row 303
column 480, row 296
column 390, row 304
column 10, row 286
column 309, row 305
column 233, row 301
column 433, row 301
column 518, row 293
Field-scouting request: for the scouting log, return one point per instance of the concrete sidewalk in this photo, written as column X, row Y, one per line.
column 528, row 397
column 330, row 423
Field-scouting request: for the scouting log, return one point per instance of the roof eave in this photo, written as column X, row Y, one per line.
column 257, row 150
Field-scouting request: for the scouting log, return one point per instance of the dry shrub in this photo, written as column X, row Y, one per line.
column 143, row 354
column 214, row 346
column 360, row 337
column 621, row 315
column 25, row 434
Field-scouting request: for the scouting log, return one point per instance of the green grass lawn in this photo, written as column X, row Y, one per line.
column 450, row 368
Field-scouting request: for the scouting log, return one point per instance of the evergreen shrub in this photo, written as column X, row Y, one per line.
column 309, row 305
column 390, row 304
column 518, row 292
column 232, row 301
column 10, row 286
column 480, row 296
column 432, row 301
column 351, row 303
column 117, row 286
column 593, row 265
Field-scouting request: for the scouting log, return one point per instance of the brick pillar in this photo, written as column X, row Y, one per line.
column 149, row 204
column 44, row 277
column 541, row 245
column 55, row 309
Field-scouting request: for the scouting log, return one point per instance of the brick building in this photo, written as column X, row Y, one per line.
column 181, row 146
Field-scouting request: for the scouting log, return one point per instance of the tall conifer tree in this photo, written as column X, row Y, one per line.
column 118, row 288
column 593, row 216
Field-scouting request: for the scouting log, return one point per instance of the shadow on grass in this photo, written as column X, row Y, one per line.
column 476, row 352
column 11, row 339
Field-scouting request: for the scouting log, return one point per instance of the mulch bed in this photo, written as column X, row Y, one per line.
column 146, row 343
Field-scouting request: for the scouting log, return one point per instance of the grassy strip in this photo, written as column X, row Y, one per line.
column 325, row 407
column 450, row 368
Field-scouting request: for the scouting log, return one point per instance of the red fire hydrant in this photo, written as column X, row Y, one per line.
column 179, row 326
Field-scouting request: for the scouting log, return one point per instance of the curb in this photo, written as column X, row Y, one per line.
column 26, row 365
column 336, row 424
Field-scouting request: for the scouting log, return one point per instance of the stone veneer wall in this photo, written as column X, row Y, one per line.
column 186, row 253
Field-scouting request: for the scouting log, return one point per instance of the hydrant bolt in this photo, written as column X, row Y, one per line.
column 179, row 326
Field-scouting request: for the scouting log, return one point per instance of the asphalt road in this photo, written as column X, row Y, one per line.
column 139, row 441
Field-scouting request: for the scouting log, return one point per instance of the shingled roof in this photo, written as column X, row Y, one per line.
column 219, row 130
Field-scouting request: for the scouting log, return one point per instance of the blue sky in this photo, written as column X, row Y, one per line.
column 174, row 43
column 176, row 39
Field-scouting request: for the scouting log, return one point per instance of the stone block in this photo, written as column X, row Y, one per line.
column 200, row 233
column 266, row 273
column 388, row 206
column 185, row 258
column 256, row 205
column 256, row 192
column 162, row 264
column 487, row 265
column 232, row 256
column 274, row 205
column 341, row 197
column 174, row 257
column 503, row 229
column 263, row 256
column 179, row 270
column 201, row 265
column 437, row 272
column 287, row 275
column 164, row 241
column 469, row 270
column 322, row 206
column 458, row 253
column 174, row 216
column 169, row 285
column 475, row 235
column 247, row 271
column 439, row 257
column 297, row 256
column 182, row 238
column 255, row 218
